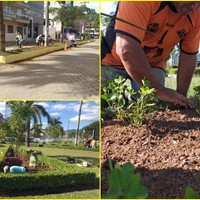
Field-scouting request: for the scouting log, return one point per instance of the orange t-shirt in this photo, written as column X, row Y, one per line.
column 167, row 26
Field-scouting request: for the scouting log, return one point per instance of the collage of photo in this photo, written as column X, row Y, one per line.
column 99, row 99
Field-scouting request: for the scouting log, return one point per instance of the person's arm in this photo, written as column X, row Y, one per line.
column 137, row 66
column 187, row 64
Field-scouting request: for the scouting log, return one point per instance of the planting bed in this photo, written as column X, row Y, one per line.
column 166, row 151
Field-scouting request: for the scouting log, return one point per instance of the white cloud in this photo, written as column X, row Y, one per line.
column 86, row 117
column 59, row 106
column 55, row 114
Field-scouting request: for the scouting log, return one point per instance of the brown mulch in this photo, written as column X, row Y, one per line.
column 38, row 166
column 166, row 151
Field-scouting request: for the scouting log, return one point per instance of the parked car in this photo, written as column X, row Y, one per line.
column 198, row 63
column 43, row 39
column 9, row 139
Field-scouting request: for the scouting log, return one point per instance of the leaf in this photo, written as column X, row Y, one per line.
column 190, row 193
column 128, row 169
column 142, row 193
column 116, row 180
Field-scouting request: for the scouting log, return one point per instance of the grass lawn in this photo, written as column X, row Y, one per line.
column 171, row 83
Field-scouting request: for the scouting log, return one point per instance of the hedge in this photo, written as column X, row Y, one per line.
column 60, row 174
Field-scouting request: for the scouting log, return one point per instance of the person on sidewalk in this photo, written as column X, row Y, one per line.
column 38, row 40
column 141, row 53
column 19, row 40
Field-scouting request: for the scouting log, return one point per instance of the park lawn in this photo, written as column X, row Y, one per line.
column 85, row 194
column 80, row 193
column 65, row 152
column 171, row 83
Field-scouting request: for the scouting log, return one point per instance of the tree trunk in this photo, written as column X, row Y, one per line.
column 78, row 124
column 61, row 32
column 27, row 144
column 46, row 42
column 2, row 29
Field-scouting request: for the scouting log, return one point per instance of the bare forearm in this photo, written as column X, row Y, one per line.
column 135, row 61
column 187, row 64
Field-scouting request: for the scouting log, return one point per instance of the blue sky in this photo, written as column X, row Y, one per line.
column 90, row 4
column 68, row 112
column 108, row 7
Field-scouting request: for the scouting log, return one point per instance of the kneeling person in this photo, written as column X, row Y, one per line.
column 15, row 169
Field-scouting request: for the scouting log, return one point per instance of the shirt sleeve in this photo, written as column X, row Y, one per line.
column 190, row 43
column 137, row 13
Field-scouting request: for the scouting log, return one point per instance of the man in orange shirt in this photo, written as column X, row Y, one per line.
column 136, row 54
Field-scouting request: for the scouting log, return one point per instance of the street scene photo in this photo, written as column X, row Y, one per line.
column 64, row 65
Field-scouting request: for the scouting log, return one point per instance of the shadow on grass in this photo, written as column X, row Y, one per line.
column 77, row 158
column 34, row 192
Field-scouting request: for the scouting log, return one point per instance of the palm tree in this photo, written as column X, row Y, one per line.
column 55, row 128
column 22, row 113
column 55, row 121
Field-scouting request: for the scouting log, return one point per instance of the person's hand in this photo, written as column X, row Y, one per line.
column 169, row 95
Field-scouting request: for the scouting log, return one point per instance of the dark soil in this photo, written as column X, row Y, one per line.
column 166, row 151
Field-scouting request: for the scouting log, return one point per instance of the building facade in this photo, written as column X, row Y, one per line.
column 23, row 17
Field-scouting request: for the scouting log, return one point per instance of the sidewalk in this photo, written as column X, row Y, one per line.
column 62, row 75
column 13, row 45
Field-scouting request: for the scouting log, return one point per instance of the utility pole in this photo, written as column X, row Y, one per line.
column 78, row 124
column 46, row 24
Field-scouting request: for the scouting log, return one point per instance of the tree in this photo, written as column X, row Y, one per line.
column 4, row 130
column 55, row 129
column 2, row 29
column 66, row 15
column 36, row 130
column 22, row 113
column 78, row 124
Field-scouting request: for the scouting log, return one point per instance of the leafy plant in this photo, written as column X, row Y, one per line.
column 196, row 98
column 125, row 183
column 190, row 193
column 130, row 112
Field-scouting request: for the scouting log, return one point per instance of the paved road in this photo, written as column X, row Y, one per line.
column 64, row 75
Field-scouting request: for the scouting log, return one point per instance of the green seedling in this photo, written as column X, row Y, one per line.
column 196, row 98
column 125, row 183
column 190, row 193
column 130, row 112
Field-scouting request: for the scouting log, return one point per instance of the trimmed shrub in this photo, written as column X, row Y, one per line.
column 61, row 174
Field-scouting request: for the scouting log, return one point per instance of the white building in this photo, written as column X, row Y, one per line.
column 26, row 18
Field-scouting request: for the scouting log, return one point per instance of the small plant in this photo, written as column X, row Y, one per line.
column 196, row 98
column 125, row 183
column 130, row 112
column 190, row 193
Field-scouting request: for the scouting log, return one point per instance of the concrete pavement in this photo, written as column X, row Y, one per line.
column 64, row 75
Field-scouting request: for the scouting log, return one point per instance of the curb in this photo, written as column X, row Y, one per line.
column 34, row 53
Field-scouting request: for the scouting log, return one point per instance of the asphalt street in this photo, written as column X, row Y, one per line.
column 63, row 75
